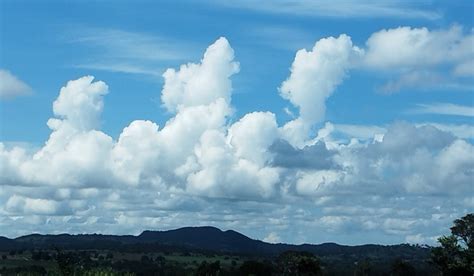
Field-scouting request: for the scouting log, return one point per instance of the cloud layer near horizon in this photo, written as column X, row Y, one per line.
column 290, row 181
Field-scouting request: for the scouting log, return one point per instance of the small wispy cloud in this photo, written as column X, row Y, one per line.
column 337, row 8
column 444, row 109
column 11, row 86
column 272, row 237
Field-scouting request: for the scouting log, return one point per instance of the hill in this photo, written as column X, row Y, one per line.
column 205, row 239
column 185, row 251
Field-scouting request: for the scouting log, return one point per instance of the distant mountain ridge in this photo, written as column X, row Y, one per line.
column 208, row 238
column 205, row 238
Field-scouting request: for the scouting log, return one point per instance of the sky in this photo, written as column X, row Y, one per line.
column 290, row 121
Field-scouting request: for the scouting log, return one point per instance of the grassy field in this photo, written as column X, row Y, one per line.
column 189, row 261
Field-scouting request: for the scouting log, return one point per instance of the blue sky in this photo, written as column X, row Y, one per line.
column 387, row 85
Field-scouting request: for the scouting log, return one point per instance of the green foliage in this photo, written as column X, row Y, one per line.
column 40, row 255
column 28, row 270
column 208, row 269
column 463, row 229
column 299, row 263
column 402, row 268
column 363, row 268
column 455, row 255
column 65, row 263
column 256, row 268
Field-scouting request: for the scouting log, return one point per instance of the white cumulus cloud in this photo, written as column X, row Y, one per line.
column 203, row 167
column 419, row 57
column 407, row 48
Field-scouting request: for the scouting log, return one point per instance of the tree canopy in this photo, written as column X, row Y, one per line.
column 455, row 255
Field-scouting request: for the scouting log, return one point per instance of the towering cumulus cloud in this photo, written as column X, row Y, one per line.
column 199, row 95
column 80, row 103
column 200, row 84
column 314, row 77
column 75, row 154
column 316, row 74
column 201, row 167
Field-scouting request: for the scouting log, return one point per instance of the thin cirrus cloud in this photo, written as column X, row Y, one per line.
column 126, row 44
column 200, row 167
column 121, row 68
column 11, row 86
column 444, row 109
column 338, row 8
column 122, row 51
